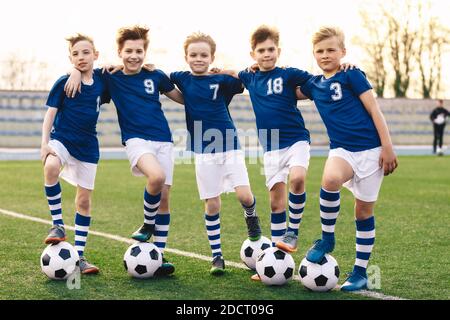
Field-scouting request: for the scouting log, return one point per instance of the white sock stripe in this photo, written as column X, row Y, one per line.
column 152, row 206
column 216, row 250
column 364, row 248
column 278, row 226
column 161, row 227
column 54, row 206
column 150, row 214
column 79, row 248
column 329, row 215
column 148, row 221
column 80, row 238
column 57, row 217
column 294, row 225
column 296, row 206
column 365, row 234
column 214, row 242
column 328, row 228
column 213, row 232
column 331, row 204
column 212, row 223
column 159, row 239
column 276, row 239
column 295, row 216
column 82, row 228
column 58, row 196
column 361, row 263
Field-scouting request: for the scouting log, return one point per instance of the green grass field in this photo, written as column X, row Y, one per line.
column 412, row 238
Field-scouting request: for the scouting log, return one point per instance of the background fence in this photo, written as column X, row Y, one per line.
column 21, row 116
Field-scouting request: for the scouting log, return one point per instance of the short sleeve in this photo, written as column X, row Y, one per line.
column 56, row 95
column 306, row 88
column 358, row 81
column 298, row 77
column 245, row 77
column 165, row 85
column 234, row 86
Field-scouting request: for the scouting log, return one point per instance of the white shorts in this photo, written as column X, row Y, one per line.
column 220, row 172
column 277, row 163
column 368, row 175
column 163, row 152
column 75, row 172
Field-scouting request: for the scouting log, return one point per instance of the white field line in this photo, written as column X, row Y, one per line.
column 371, row 294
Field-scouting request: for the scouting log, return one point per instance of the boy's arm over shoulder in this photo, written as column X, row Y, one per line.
column 298, row 77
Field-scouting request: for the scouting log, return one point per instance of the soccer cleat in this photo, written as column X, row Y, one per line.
column 56, row 234
column 289, row 242
column 255, row 277
column 253, row 228
column 354, row 282
column 86, row 267
column 166, row 268
column 144, row 233
column 316, row 253
column 218, row 266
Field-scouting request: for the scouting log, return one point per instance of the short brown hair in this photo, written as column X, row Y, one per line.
column 135, row 32
column 262, row 33
column 326, row 32
column 200, row 37
column 74, row 39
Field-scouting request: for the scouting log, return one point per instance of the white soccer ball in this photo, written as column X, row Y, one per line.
column 251, row 249
column 59, row 261
column 275, row 266
column 322, row 276
column 142, row 259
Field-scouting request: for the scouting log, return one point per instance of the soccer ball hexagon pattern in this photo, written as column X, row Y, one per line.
column 142, row 259
column 251, row 249
column 322, row 276
column 275, row 266
column 59, row 261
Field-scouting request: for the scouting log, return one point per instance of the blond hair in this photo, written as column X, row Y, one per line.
column 326, row 32
column 74, row 39
column 200, row 37
column 262, row 33
column 135, row 32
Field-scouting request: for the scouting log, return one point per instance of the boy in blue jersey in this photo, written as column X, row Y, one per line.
column 145, row 132
column 69, row 141
column 360, row 154
column 219, row 162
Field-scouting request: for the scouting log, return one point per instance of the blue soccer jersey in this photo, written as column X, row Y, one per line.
column 280, row 124
column 139, row 110
column 76, row 120
column 348, row 123
column 208, row 121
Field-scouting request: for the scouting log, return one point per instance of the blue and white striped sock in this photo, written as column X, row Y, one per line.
column 82, row 224
column 250, row 211
column 277, row 226
column 53, row 194
column 151, row 205
column 329, row 210
column 296, row 206
column 365, row 239
column 213, row 231
column 161, row 230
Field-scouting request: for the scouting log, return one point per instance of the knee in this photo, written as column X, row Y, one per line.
column 331, row 182
column 156, row 181
column 51, row 170
column 277, row 204
column 83, row 203
column 213, row 205
column 297, row 184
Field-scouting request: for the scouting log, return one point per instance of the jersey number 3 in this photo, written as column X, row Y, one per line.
column 336, row 87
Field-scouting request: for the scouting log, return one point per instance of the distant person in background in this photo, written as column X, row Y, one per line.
column 439, row 116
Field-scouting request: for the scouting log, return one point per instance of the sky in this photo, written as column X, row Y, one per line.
column 36, row 29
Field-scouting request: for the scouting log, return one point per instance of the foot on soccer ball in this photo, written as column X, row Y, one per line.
column 218, row 266
column 316, row 253
column 144, row 233
column 166, row 268
column 255, row 277
column 288, row 243
column 86, row 267
column 253, row 228
column 56, row 234
column 354, row 282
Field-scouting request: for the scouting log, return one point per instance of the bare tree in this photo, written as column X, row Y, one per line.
column 433, row 36
column 18, row 73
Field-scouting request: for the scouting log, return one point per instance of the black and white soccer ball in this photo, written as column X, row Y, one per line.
column 59, row 261
column 275, row 266
column 322, row 276
column 142, row 259
column 251, row 249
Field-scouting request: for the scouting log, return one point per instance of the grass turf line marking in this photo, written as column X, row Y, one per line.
column 366, row 293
